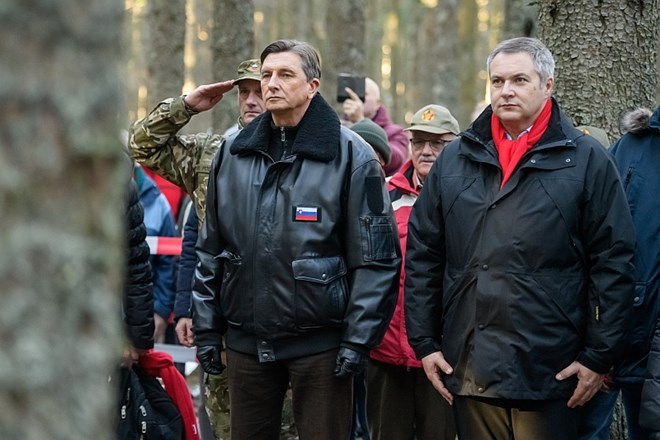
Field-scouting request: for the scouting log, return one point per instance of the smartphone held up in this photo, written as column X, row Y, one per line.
column 353, row 82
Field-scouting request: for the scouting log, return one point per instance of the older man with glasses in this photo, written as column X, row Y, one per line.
column 432, row 128
column 401, row 401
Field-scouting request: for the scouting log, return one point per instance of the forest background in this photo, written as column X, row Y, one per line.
column 418, row 51
column 73, row 75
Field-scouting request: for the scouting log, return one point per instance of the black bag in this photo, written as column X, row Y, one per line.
column 146, row 411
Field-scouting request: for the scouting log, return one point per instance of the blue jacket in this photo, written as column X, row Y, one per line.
column 186, row 273
column 159, row 222
column 637, row 157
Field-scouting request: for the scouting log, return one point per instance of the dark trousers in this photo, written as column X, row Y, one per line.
column 322, row 403
column 360, row 429
column 499, row 419
column 403, row 405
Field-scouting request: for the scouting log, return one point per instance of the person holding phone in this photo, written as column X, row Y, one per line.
column 355, row 110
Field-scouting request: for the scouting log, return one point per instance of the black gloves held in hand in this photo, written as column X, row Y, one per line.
column 349, row 362
column 209, row 358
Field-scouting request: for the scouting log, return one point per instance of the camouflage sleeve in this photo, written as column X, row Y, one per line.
column 184, row 160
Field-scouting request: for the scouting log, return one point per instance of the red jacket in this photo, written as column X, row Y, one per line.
column 394, row 349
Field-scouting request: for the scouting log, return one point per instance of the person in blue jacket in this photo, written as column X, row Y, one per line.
column 159, row 222
column 187, row 262
column 637, row 157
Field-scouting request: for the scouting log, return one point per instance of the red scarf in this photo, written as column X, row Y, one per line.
column 511, row 150
column 160, row 364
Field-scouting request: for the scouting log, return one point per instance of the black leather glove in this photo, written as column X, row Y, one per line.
column 209, row 358
column 349, row 362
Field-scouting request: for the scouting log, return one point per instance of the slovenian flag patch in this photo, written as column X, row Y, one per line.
column 306, row 214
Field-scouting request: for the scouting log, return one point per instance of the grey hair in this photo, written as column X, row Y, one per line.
column 544, row 63
column 311, row 61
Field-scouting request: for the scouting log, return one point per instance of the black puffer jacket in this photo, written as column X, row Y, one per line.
column 138, row 300
column 514, row 284
column 300, row 255
column 649, row 414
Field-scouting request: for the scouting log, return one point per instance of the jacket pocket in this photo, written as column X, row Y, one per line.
column 229, row 301
column 378, row 238
column 642, row 322
column 640, row 293
column 321, row 291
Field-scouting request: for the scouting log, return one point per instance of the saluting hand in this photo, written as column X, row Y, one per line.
column 206, row 96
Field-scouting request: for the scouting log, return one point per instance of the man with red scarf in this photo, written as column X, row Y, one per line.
column 519, row 270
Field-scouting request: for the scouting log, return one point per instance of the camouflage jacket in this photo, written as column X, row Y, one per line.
column 184, row 160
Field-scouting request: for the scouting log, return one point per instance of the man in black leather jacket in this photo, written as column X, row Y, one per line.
column 298, row 257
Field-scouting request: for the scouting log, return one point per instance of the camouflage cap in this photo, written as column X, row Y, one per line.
column 434, row 119
column 249, row 69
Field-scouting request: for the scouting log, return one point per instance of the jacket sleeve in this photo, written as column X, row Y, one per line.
column 138, row 300
column 425, row 267
column 398, row 141
column 372, row 252
column 186, row 270
column 608, row 239
column 649, row 415
column 182, row 159
column 208, row 322
column 164, row 266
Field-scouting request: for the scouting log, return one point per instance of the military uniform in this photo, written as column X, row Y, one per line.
column 184, row 160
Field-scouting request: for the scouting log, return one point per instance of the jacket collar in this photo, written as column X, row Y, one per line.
column 560, row 131
column 402, row 179
column 317, row 137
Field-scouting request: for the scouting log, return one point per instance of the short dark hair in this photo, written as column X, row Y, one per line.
column 311, row 61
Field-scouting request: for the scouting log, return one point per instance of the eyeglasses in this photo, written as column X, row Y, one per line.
column 437, row 145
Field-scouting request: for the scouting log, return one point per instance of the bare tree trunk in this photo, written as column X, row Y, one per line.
column 61, row 198
column 443, row 80
column 197, row 57
column 232, row 41
column 345, row 51
column 473, row 49
column 618, row 429
column 520, row 18
column 166, row 21
column 606, row 56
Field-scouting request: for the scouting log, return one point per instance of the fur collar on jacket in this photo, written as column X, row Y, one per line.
column 636, row 121
column 317, row 137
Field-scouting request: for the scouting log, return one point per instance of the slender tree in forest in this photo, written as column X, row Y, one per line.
column 440, row 82
column 232, row 41
column 62, row 203
column 166, row 23
column 520, row 18
column 606, row 64
column 346, row 50
column 606, row 56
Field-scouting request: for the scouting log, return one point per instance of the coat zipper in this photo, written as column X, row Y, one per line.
column 628, row 177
